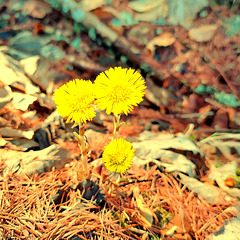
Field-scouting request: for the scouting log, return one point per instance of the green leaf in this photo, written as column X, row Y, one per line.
column 227, row 99
column 232, row 25
column 125, row 19
column 75, row 43
column 203, row 13
column 123, row 59
column 204, row 89
column 158, row 31
column 78, row 15
column 160, row 22
column 52, row 53
column 92, row 33
column 77, row 28
column 116, row 22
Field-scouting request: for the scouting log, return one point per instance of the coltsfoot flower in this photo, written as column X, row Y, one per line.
column 118, row 155
column 118, row 90
column 74, row 100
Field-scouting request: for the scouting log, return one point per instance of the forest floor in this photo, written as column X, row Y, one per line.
column 184, row 183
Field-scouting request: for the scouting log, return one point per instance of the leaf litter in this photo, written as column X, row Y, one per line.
column 34, row 210
column 155, row 200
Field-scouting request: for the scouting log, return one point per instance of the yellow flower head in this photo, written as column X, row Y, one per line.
column 119, row 89
column 74, row 100
column 118, row 155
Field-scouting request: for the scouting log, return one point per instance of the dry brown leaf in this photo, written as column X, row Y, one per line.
column 14, row 133
column 203, row 33
column 13, row 74
column 37, row 9
column 146, row 213
column 164, row 40
column 224, row 142
column 6, row 95
column 34, row 161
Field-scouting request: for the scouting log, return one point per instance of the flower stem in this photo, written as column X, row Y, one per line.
column 84, row 148
column 116, row 125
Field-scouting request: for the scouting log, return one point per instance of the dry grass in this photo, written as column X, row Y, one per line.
column 30, row 208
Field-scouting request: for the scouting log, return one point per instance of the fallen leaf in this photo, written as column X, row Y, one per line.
column 12, row 73
column 164, row 40
column 24, row 144
column 27, row 43
column 167, row 141
column 184, row 12
column 37, row 9
column 224, row 142
column 87, row 5
column 220, row 120
column 3, row 142
column 211, row 193
column 143, row 5
column 14, row 133
column 154, row 148
column 22, row 101
column 159, row 96
column 230, row 182
column 230, row 230
column 38, row 69
column 171, row 161
column 221, row 173
column 6, row 95
column 150, row 11
column 140, row 33
column 193, row 103
column 147, row 215
column 35, row 161
column 203, row 33
column 52, row 53
column 30, row 64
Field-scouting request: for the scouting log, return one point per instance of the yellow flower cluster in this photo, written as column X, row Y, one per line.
column 117, row 91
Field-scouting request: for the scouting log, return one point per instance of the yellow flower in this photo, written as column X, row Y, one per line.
column 118, row 155
column 118, row 90
column 74, row 100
